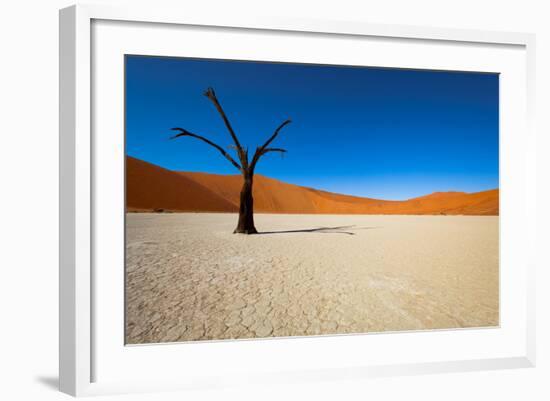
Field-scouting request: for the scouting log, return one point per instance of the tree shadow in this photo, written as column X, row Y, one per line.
column 322, row 230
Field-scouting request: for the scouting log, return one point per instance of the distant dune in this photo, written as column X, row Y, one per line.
column 150, row 188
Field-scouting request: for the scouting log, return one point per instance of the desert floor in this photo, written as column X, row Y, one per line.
column 189, row 278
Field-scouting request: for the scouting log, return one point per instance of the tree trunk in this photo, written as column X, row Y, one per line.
column 246, row 208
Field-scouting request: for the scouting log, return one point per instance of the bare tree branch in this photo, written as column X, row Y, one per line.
column 265, row 145
column 246, row 200
column 266, row 150
column 246, row 156
column 184, row 132
column 210, row 94
column 262, row 150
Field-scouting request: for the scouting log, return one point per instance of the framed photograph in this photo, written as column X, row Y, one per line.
column 271, row 201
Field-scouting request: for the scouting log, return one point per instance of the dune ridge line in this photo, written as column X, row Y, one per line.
column 152, row 188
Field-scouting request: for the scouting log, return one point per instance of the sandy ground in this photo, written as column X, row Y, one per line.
column 189, row 278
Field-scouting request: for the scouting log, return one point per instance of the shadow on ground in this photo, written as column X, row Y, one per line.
column 322, row 230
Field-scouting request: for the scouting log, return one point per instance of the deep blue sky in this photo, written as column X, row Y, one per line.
column 375, row 132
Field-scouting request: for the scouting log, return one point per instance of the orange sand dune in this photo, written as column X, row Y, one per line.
column 151, row 187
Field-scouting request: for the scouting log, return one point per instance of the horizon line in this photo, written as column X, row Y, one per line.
column 323, row 190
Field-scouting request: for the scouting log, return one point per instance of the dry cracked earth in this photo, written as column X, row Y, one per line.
column 189, row 278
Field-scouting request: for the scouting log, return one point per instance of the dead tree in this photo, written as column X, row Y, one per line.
column 245, row 224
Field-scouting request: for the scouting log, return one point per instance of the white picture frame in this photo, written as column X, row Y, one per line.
column 80, row 341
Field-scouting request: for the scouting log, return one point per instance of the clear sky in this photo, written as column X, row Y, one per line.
column 374, row 132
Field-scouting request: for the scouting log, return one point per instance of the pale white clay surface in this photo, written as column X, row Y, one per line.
column 189, row 278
